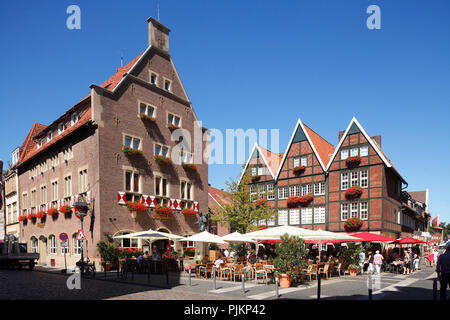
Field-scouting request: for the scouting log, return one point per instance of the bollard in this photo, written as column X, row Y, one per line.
column 369, row 286
column 243, row 282
column 190, row 281
column 214, row 277
column 435, row 289
column 370, row 294
column 167, row 273
column 148, row 272
column 318, row 286
column 276, row 286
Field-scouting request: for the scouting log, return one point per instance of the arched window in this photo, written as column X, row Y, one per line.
column 76, row 244
column 34, row 244
column 127, row 243
column 52, row 240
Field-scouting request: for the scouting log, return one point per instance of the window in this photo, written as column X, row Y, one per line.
column 43, row 194
column 161, row 150
column 55, row 191
column 128, row 243
column 262, row 191
column 319, row 215
column 354, row 178
column 294, row 216
column 146, row 109
column 344, row 211
column 344, row 154
column 186, row 190
column 77, row 245
column 282, row 217
column 364, row 210
column 364, row 175
column 344, row 180
column 364, row 151
column 68, row 153
column 353, row 152
column 15, row 157
column 173, row 119
column 33, row 198
column 167, row 85
column 306, row 189
column 283, row 192
column 74, row 119
column 34, row 244
column 49, row 136
column 253, row 192
column 161, row 186
column 52, row 240
column 260, row 171
column 54, row 161
column 67, row 186
column 304, row 161
column 24, row 200
column 398, row 216
column 254, row 171
column 262, row 222
column 271, row 221
column 83, row 181
column 319, row 189
column 186, row 157
column 306, row 215
column 132, row 181
column 270, row 192
column 354, row 210
column 153, row 78
column 61, row 128
column 65, row 249
column 296, row 162
column 294, row 190
column 132, row 142
column 40, row 143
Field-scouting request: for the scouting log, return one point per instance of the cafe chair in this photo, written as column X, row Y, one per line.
column 324, row 270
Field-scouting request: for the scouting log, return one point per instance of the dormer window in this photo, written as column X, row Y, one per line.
column 40, row 143
column 74, row 118
column 61, row 128
column 15, row 156
column 49, row 136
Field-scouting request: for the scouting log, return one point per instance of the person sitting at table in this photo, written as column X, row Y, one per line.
column 166, row 255
column 218, row 262
column 205, row 259
column 146, row 255
column 140, row 263
column 155, row 255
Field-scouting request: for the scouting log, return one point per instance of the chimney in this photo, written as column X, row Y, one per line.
column 341, row 133
column 377, row 139
column 158, row 35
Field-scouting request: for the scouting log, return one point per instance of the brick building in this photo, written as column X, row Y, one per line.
column 313, row 167
column 81, row 156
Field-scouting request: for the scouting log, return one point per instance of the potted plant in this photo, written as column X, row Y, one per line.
column 109, row 253
column 353, row 161
column 135, row 206
column 65, row 209
column 350, row 254
column 290, row 252
column 306, row 199
column 189, row 166
column 162, row 160
column 40, row 214
column 298, row 170
column 132, row 151
column 353, row 224
column 21, row 218
column 163, row 212
column 354, row 192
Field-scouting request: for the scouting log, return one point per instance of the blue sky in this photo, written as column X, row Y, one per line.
column 252, row 64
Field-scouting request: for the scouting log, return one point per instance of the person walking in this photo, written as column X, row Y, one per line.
column 370, row 262
column 378, row 261
column 431, row 257
column 443, row 271
column 362, row 259
column 406, row 263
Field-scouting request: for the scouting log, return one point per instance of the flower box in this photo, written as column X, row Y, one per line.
column 353, row 161
column 163, row 213
column 354, row 192
column 295, row 201
column 143, row 116
column 52, row 212
column 22, row 218
column 136, row 206
column 31, row 216
column 132, row 151
column 189, row 212
column 65, row 209
column 260, row 202
column 189, row 166
column 298, row 170
column 172, row 127
column 353, row 224
column 40, row 214
column 162, row 159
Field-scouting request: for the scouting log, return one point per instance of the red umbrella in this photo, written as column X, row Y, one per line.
column 408, row 240
column 367, row 236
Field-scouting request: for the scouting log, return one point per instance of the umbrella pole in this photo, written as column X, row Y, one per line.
column 318, row 273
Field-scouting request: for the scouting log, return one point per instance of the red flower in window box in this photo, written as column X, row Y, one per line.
column 295, row 201
column 31, row 216
column 40, row 214
column 353, row 161
column 65, row 209
column 260, row 202
column 132, row 151
column 163, row 213
column 189, row 166
column 136, row 206
column 52, row 212
column 22, row 218
column 262, row 227
column 189, row 212
column 143, row 116
column 353, row 224
column 162, row 159
column 353, row 192
column 298, row 170
column 172, row 127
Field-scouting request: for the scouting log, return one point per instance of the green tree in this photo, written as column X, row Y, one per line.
column 290, row 252
column 242, row 213
column 446, row 228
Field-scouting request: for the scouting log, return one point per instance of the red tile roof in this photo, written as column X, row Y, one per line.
column 29, row 148
column 323, row 147
column 273, row 159
column 217, row 198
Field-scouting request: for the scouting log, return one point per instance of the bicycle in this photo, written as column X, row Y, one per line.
column 86, row 267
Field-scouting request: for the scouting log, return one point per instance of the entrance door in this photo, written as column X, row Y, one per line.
column 42, row 251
